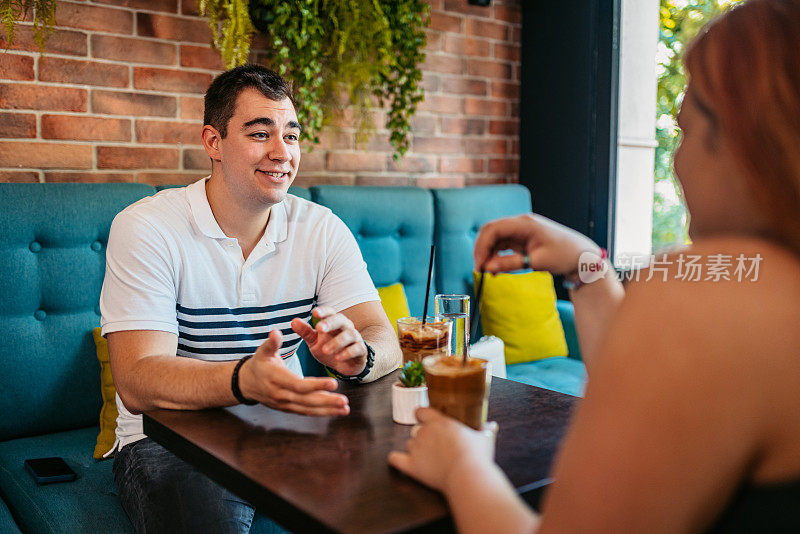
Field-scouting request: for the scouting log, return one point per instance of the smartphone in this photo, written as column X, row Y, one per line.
column 49, row 470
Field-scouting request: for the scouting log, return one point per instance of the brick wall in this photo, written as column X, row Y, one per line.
column 117, row 96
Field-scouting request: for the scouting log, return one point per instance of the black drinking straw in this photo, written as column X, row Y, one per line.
column 477, row 309
column 428, row 289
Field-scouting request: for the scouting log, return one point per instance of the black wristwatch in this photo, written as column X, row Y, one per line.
column 360, row 376
column 235, row 383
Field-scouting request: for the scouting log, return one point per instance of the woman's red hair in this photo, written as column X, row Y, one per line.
column 745, row 67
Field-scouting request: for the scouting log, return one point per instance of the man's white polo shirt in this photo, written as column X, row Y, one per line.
column 170, row 267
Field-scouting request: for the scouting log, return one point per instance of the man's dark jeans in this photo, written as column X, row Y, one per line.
column 162, row 493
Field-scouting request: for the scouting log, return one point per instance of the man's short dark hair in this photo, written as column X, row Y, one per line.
column 221, row 96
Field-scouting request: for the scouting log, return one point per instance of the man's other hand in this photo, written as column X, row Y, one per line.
column 266, row 378
column 334, row 341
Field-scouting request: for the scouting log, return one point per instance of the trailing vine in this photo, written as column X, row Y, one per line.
column 44, row 18
column 339, row 54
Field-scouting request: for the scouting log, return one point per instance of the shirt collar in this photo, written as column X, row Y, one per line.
column 275, row 231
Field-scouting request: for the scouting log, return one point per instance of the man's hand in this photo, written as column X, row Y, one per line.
column 266, row 378
column 335, row 342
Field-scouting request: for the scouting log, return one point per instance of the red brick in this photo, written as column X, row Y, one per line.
column 503, row 165
column 15, row 66
column 377, row 142
column 36, row 96
column 431, row 182
column 173, row 28
column 442, row 63
column 45, row 155
column 490, row 146
column 122, row 157
column 481, row 106
column 511, row 14
column 464, row 86
column 170, row 80
column 409, row 163
column 17, row 125
column 87, row 177
column 196, row 159
column 488, row 180
column 462, row 164
column 433, row 40
column 437, row 145
column 63, row 42
column 169, row 178
column 19, row 177
column 442, row 104
column 96, row 18
column 85, row 128
column 84, row 72
column 423, row 123
column 507, row 52
column 446, row 23
column 121, row 103
column 463, row 126
column 467, row 46
column 505, row 90
column 171, row 132
column 313, row 161
column 489, row 68
column 189, row 7
column 344, row 161
column 201, row 57
column 485, row 28
column 132, row 50
column 335, row 139
column 169, row 6
column 437, row 4
column 462, row 6
column 505, row 127
column 430, row 82
column 327, row 178
column 192, row 108
column 385, row 180
column 516, row 35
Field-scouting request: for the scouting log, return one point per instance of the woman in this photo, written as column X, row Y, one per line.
column 691, row 418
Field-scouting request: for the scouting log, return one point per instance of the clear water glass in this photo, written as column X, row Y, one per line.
column 455, row 308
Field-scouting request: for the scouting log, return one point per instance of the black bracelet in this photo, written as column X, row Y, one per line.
column 360, row 376
column 235, row 383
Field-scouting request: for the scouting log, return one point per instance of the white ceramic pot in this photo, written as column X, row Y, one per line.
column 405, row 401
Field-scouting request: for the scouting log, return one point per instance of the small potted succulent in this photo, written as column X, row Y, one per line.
column 409, row 393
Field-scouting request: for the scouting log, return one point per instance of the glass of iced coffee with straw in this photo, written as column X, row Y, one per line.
column 419, row 339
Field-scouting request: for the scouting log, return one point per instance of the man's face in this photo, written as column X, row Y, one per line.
column 261, row 153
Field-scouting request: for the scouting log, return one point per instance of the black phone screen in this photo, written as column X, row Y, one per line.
column 49, row 469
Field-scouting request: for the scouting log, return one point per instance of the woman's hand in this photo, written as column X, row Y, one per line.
column 440, row 448
column 548, row 245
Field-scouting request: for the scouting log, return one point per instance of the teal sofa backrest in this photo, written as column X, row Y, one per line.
column 460, row 213
column 52, row 259
column 394, row 229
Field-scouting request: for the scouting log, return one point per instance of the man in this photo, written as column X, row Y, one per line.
column 225, row 273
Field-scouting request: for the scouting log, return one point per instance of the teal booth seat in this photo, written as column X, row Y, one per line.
column 52, row 260
column 460, row 214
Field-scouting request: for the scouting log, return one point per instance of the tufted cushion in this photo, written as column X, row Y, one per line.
column 459, row 215
column 394, row 229
column 52, row 260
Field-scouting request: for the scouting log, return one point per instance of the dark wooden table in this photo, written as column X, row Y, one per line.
column 331, row 474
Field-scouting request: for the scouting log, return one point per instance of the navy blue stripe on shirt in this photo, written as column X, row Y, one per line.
column 243, row 324
column 244, row 311
column 233, row 350
column 232, row 337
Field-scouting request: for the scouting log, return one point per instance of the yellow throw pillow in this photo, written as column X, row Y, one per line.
column 521, row 310
column 395, row 304
column 108, row 413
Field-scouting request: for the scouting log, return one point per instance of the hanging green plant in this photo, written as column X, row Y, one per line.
column 339, row 54
column 43, row 18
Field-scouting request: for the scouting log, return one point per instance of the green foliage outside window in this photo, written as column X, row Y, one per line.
column 680, row 21
column 339, row 54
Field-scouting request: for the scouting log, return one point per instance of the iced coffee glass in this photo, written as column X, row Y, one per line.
column 458, row 389
column 418, row 341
